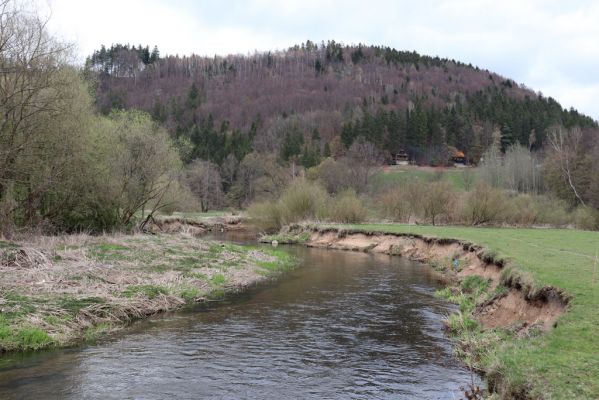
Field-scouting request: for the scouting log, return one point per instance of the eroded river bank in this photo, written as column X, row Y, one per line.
column 342, row 325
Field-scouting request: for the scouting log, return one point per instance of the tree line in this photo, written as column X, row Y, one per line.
column 298, row 107
column 398, row 100
column 157, row 133
column 63, row 167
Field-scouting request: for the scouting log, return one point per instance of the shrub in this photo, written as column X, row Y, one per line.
column 179, row 198
column 521, row 210
column 395, row 205
column 332, row 174
column 438, row 201
column 266, row 216
column 484, row 204
column 347, row 208
column 404, row 201
column 414, row 193
column 302, row 200
column 552, row 211
column 468, row 178
column 586, row 218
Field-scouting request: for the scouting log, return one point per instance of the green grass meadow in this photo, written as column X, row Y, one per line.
column 400, row 175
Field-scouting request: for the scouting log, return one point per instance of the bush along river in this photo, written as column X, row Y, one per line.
column 343, row 325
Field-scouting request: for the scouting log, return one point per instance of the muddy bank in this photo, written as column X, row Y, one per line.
column 55, row 291
column 514, row 301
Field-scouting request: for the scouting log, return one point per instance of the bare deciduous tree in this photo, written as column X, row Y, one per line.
column 437, row 200
column 334, row 176
column 33, row 88
column 491, row 168
column 468, row 177
column 229, row 171
column 204, row 181
column 259, row 177
column 521, row 170
column 362, row 161
column 565, row 145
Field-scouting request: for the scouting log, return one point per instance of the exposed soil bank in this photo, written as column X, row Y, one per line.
column 55, row 291
column 521, row 304
column 504, row 300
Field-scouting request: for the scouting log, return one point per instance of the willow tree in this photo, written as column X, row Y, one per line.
column 143, row 164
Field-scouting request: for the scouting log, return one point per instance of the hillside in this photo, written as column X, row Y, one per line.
column 315, row 97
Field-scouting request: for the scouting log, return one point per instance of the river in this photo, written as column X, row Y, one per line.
column 344, row 325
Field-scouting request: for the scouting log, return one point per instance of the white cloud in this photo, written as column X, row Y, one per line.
column 549, row 45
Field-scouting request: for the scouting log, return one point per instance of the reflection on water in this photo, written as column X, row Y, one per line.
column 343, row 326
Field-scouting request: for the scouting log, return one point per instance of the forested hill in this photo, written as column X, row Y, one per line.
column 312, row 100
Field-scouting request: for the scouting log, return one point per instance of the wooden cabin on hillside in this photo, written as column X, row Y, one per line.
column 458, row 158
column 401, row 158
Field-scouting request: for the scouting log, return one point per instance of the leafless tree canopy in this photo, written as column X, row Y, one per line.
column 32, row 82
column 204, row 180
column 566, row 145
column 362, row 161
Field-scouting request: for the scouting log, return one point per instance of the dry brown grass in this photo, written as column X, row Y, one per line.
column 66, row 286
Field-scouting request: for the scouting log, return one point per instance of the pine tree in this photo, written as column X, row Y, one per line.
column 315, row 135
column 193, row 97
column 155, row 56
column 327, row 150
column 348, row 134
column 418, row 127
column 507, row 138
column 292, row 145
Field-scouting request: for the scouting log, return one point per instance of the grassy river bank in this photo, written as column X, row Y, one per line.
column 59, row 290
column 528, row 301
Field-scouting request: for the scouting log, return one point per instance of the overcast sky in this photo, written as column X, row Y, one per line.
column 551, row 46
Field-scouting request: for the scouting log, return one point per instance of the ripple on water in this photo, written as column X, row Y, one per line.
column 342, row 326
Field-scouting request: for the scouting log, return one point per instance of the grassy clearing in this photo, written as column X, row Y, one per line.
column 411, row 173
column 564, row 363
column 56, row 290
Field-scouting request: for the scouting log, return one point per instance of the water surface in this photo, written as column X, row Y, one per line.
column 344, row 325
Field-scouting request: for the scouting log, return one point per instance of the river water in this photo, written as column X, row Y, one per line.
column 343, row 325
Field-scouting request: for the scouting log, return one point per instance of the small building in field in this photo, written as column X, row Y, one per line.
column 401, row 158
column 458, row 158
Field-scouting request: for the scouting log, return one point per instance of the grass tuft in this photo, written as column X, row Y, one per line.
column 149, row 291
